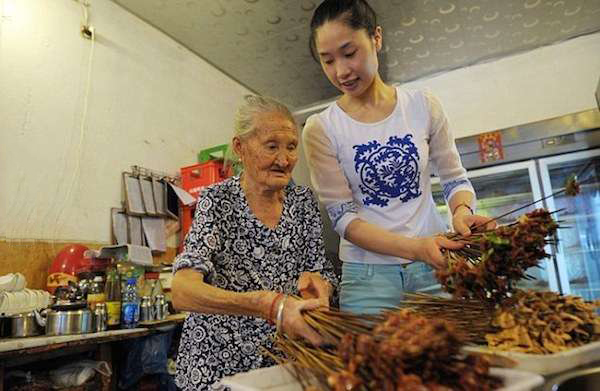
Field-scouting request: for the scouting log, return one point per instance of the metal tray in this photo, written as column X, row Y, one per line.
column 547, row 364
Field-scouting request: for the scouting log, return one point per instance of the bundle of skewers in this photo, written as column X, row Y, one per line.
column 417, row 346
column 492, row 262
column 473, row 319
column 482, row 278
column 398, row 351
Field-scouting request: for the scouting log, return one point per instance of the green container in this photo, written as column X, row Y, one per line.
column 212, row 153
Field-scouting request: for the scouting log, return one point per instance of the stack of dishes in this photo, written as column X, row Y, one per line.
column 15, row 298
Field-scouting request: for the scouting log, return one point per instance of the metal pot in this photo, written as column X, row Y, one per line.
column 69, row 322
column 22, row 325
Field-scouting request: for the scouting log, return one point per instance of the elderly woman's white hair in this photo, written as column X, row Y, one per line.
column 251, row 106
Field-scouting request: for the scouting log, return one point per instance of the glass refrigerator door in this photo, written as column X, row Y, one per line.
column 578, row 256
column 499, row 190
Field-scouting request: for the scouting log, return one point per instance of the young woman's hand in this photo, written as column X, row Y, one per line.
column 429, row 250
column 312, row 286
column 293, row 323
column 464, row 221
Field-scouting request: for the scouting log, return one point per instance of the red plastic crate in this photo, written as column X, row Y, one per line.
column 195, row 178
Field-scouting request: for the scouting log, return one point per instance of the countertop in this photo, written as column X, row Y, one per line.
column 8, row 345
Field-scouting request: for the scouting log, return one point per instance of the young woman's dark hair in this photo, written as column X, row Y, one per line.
column 357, row 14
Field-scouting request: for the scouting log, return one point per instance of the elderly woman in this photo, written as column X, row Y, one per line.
column 256, row 240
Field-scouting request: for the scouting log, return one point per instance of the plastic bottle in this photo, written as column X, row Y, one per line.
column 112, row 293
column 130, row 306
column 96, row 293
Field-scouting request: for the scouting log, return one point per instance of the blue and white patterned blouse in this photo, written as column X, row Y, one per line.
column 237, row 252
column 380, row 172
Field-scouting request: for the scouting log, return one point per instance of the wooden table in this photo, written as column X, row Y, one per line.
column 22, row 351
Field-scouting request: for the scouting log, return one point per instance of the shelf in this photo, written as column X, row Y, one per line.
column 172, row 318
column 27, row 343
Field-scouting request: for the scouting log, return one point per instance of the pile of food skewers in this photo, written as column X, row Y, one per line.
column 492, row 262
column 417, row 347
column 528, row 322
column 482, row 278
column 544, row 323
column 397, row 351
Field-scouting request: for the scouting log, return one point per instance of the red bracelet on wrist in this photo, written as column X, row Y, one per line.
column 270, row 318
column 462, row 204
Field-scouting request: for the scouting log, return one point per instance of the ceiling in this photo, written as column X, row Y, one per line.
column 263, row 44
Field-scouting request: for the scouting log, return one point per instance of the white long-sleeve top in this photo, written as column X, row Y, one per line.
column 380, row 172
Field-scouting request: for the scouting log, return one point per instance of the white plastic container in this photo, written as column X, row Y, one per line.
column 277, row 378
column 547, row 364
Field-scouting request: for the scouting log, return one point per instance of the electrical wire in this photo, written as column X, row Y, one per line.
column 83, row 123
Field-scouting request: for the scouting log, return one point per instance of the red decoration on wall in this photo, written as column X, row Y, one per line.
column 490, row 147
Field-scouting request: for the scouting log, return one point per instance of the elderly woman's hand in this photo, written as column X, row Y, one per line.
column 312, row 286
column 293, row 323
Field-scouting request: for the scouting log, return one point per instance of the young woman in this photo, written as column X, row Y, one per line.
column 370, row 154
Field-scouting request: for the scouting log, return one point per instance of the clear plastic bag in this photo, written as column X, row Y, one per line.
column 78, row 373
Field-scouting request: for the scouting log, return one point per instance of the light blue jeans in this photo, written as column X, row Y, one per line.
column 371, row 288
